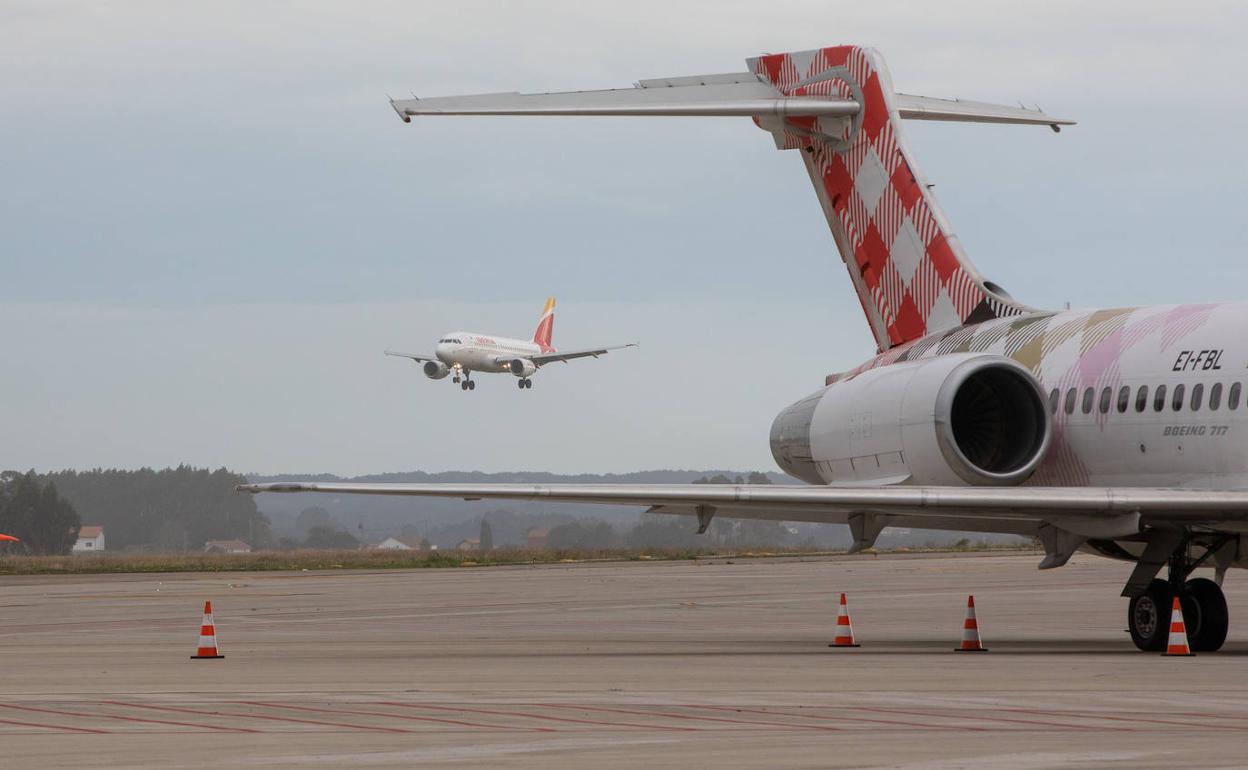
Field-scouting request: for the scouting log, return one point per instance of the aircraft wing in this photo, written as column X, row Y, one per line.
column 1093, row 512
column 568, row 355
column 414, row 356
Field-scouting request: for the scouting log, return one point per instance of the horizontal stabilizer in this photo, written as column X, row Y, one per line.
column 681, row 97
column 961, row 111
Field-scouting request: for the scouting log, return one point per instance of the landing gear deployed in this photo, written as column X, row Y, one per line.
column 1205, row 612
column 524, row 383
column 467, row 383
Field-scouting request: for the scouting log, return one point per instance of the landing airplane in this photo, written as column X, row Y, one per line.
column 1120, row 432
column 463, row 353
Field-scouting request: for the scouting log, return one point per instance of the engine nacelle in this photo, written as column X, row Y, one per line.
column 968, row 418
column 522, row 367
column 436, row 370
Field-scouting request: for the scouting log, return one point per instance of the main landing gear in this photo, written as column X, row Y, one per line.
column 467, row 382
column 1205, row 613
column 523, row 383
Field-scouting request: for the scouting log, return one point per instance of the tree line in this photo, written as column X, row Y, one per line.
column 32, row 510
column 175, row 509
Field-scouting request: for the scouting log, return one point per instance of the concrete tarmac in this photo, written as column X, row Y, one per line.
column 645, row 664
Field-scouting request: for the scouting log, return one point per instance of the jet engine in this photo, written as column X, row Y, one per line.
column 522, row 367
column 436, row 370
column 961, row 419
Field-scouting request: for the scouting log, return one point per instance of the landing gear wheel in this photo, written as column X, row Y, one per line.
column 1204, row 614
column 1148, row 617
column 520, row 384
column 464, row 385
column 472, row 385
column 528, row 383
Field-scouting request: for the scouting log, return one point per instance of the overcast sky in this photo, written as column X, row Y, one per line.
column 211, row 222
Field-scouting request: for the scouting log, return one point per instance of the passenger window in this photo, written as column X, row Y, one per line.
column 1176, row 403
column 1232, row 398
column 1198, row 393
column 1070, row 401
column 1055, row 398
column 1159, row 399
column 1107, row 395
column 1124, row 398
column 1141, row 398
column 1215, row 396
column 1089, row 395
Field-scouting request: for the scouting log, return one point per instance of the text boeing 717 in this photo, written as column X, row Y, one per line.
column 1121, row 432
column 463, row 353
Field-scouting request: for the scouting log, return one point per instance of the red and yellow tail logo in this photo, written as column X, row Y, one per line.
column 546, row 326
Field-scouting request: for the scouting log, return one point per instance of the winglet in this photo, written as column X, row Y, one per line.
column 398, row 109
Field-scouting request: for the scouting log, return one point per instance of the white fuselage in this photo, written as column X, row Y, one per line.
column 472, row 352
column 1138, row 397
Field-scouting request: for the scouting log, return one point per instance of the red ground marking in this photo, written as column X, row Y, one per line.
column 666, row 715
column 1095, row 715
column 125, row 719
column 398, row 716
column 1062, row 725
column 259, row 716
column 536, row 716
column 893, row 722
column 54, row 727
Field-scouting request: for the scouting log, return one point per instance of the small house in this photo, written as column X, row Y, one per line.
column 226, row 546
column 90, row 540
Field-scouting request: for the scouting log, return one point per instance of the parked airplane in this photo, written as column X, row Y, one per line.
column 462, row 353
column 1120, row 432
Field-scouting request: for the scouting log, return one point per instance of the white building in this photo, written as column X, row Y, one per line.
column 90, row 539
column 226, row 546
column 399, row 544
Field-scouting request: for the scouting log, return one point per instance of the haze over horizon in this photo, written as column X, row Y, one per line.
column 215, row 224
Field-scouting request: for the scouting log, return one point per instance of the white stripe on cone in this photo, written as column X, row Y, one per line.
column 844, row 629
column 970, row 630
column 1177, row 645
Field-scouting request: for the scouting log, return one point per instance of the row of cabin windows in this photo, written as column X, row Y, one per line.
column 1178, row 398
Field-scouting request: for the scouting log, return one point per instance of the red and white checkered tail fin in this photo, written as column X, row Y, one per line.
column 546, row 327
column 907, row 266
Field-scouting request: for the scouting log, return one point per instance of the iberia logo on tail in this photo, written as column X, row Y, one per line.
column 546, row 327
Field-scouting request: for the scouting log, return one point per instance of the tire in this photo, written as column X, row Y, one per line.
column 1148, row 617
column 520, row 384
column 1205, row 615
column 472, row 385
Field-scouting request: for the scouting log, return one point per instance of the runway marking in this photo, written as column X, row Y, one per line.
column 398, row 716
column 1150, row 720
column 1061, row 725
column 184, row 710
column 666, row 715
column 538, row 716
column 55, row 727
column 921, row 725
column 102, row 715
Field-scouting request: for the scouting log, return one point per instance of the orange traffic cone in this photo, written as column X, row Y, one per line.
column 1178, row 633
column 844, row 629
column 970, row 631
column 207, row 637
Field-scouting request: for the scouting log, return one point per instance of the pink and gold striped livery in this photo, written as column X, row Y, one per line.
column 546, row 327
